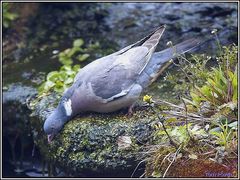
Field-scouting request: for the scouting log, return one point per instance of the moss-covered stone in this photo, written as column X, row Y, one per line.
column 99, row 144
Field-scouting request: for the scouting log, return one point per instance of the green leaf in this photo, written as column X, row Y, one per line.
column 190, row 102
column 65, row 60
column 72, row 52
column 76, row 67
column 78, row 43
column 53, row 76
column 77, row 49
column 66, row 51
column 41, row 88
column 59, row 84
column 69, row 81
column 48, row 85
column 5, row 6
column 65, row 68
column 10, row 16
column 83, row 57
column 70, row 72
column 235, row 85
column 72, row 75
column 63, row 75
column 156, row 174
column 61, row 54
column 171, row 120
column 5, row 23
column 58, row 89
column 215, row 133
column 160, row 133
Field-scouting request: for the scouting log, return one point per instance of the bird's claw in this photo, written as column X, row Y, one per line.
column 130, row 111
column 50, row 138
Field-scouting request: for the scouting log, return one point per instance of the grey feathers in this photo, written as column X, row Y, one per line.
column 160, row 60
column 114, row 75
column 114, row 81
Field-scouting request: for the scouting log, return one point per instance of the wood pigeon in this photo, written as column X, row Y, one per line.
column 114, row 81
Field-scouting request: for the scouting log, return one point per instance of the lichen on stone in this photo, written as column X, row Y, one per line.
column 89, row 142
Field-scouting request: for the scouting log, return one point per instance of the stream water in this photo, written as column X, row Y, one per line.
column 53, row 27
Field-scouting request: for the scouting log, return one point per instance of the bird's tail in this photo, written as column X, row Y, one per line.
column 152, row 40
column 160, row 60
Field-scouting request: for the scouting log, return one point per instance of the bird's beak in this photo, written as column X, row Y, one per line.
column 50, row 138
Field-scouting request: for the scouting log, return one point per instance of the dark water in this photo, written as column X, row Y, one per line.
column 54, row 26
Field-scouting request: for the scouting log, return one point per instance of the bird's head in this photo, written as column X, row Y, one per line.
column 55, row 122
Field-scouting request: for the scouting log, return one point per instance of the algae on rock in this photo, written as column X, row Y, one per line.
column 92, row 143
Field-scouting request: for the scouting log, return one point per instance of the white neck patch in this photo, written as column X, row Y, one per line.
column 68, row 107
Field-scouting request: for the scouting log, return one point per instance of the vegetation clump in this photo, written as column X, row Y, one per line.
column 203, row 128
column 8, row 15
column 59, row 81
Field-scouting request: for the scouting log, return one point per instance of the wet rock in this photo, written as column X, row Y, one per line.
column 15, row 111
column 15, row 35
column 93, row 144
column 18, row 93
column 216, row 10
column 17, row 136
column 183, row 20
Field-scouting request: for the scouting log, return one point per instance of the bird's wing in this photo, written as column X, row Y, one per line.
column 113, row 76
column 151, row 40
column 116, row 80
column 109, row 80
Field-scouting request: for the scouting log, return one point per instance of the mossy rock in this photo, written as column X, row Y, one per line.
column 92, row 143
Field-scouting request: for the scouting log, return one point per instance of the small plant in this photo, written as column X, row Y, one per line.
column 8, row 16
column 147, row 99
column 204, row 126
column 59, row 81
column 220, row 88
column 66, row 57
column 226, row 134
column 192, row 71
column 219, row 93
column 180, row 135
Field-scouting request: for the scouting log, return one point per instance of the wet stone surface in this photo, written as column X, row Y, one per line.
column 17, row 134
column 183, row 20
column 97, row 144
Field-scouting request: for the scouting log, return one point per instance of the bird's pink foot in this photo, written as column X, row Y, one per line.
column 130, row 111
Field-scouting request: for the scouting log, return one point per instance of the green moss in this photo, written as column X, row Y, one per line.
column 90, row 141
